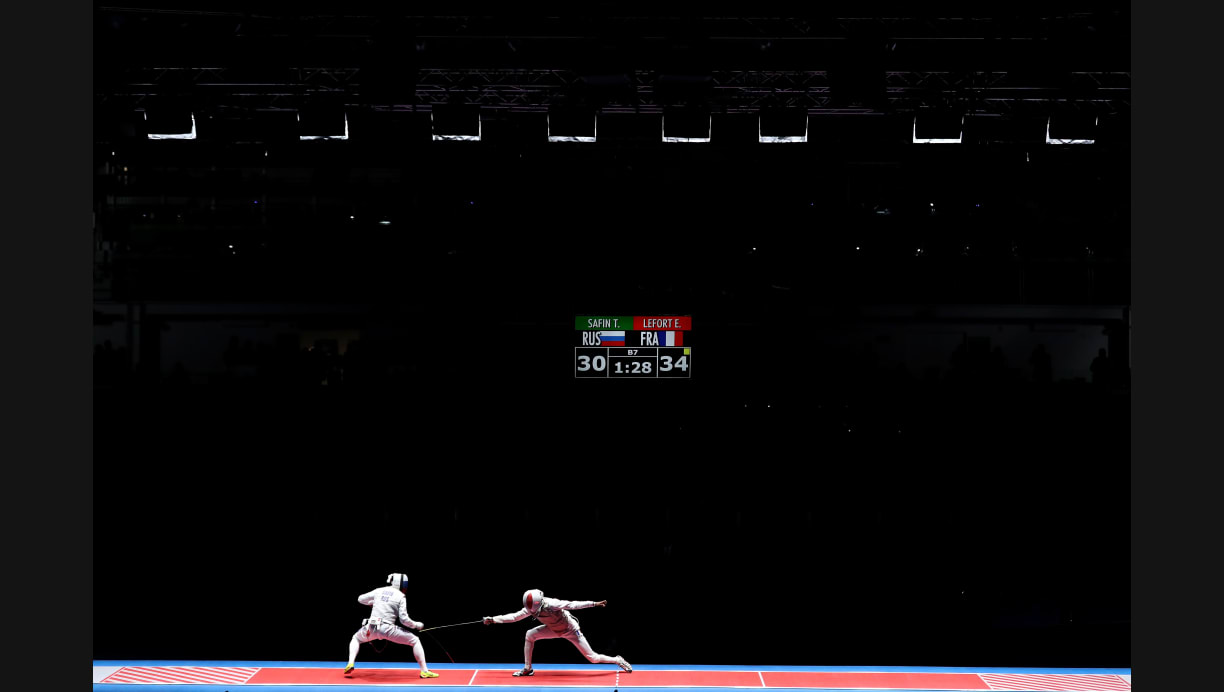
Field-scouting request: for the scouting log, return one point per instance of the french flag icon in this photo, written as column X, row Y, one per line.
column 670, row 338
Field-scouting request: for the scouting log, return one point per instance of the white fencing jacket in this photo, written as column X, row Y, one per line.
column 552, row 614
column 388, row 605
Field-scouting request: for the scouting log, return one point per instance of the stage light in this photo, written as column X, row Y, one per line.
column 686, row 125
column 782, row 126
column 171, row 124
column 1071, row 128
column 571, row 124
column 455, row 123
column 322, row 123
column 938, row 128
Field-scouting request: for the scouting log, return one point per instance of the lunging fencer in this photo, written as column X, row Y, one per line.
column 387, row 605
column 556, row 623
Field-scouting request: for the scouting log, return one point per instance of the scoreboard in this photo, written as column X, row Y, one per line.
column 637, row 347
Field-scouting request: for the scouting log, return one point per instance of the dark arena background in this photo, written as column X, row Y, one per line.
column 343, row 257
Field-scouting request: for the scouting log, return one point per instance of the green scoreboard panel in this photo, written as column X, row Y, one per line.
column 635, row 347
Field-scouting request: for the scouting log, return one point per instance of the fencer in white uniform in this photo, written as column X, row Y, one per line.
column 556, row 622
column 388, row 604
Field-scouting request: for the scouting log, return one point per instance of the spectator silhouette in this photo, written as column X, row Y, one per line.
column 866, row 364
column 316, row 365
column 178, row 376
column 902, row 378
column 840, row 365
column 354, row 363
column 930, row 376
column 335, row 367
column 122, row 365
column 997, row 365
column 102, row 365
column 99, row 361
column 1043, row 370
column 246, row 356
column 265, row 364
column 1100, row 368
column 230, row 357
column 302, row 366
column 958, row 370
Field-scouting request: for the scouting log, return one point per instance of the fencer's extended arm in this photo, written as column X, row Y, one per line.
column 577, row 605
column 367, row 598
column 512, row 617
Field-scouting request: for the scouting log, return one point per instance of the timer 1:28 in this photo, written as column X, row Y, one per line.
column 633, row 367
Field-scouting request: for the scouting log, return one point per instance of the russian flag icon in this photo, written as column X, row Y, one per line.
column 612, row 338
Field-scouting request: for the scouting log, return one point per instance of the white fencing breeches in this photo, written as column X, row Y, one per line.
column 388, row 631
column 575, row 636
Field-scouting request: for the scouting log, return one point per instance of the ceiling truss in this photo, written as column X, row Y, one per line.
column 998, row 93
